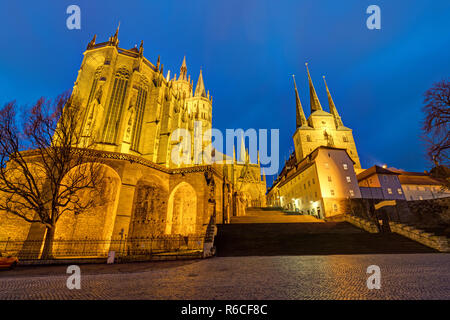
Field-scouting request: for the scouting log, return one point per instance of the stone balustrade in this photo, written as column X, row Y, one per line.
column 364, row 224
column 431, row 240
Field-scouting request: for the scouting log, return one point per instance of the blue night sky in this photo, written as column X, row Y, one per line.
column 248, row 51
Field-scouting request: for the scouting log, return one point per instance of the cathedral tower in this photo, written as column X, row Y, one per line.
column 321, row 128
column 130, row 107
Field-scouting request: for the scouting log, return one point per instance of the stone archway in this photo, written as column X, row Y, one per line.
column 182, row 210
column 252, row 195
column 149, row 208
column 96, row 224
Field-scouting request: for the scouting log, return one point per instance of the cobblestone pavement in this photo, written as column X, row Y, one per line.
column 409, row 276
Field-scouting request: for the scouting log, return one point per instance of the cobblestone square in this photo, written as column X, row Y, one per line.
column 403, row 276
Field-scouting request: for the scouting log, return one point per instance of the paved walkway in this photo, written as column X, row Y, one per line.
column 412, row 276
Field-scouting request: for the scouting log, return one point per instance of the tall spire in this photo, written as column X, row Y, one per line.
column 117, row 30
column 200, row 88
column 242, row 153
column 114, row 39
column 141, row 48
column 183, row 70
column 314, row 100
column 300, row 115
column 92, row 42
column 333, row 110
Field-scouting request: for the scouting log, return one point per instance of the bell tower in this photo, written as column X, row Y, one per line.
column 321, row 128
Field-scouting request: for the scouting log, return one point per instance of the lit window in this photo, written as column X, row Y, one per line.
column 352, row 193
column 348, row 179
column 345, row 166
column 326, row 164
column 389, row 190
column 329, row 178
column 332, row 192
column 420, row 198
column 399, row 190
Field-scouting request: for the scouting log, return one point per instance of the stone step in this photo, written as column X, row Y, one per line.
column 313, row 238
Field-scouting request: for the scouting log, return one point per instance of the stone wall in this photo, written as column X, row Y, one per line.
column 364, row 224
column 440, row 243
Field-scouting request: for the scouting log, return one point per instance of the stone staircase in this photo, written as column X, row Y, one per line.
column 268, row 215
column 271, row 232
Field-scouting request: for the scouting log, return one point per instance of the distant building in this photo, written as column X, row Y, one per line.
column 321, row 128
column 420, row 186
column 379, row 183
column 319, row 178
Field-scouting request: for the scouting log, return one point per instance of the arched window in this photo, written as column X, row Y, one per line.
column 89, row 110
column 115, row 107
column 140, row 108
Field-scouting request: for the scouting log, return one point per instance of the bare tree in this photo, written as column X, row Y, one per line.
column 436, row 128
column 43, row 171
column 436, row 125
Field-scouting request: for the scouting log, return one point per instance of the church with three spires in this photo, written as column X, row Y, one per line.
column 320, row 175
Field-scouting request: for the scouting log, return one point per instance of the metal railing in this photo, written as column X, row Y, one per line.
column 98, row 248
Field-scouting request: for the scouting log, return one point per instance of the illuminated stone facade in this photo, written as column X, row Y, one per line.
column 319, row 177
column 320, row 184
column 130, row 113
column 321, row 128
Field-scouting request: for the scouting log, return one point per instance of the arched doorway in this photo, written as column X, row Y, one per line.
column 252, row 195
column 95, row 225
column 149, row 208
column 182, row 210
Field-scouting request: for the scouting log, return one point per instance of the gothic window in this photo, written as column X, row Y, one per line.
column 92, row 93
column 137, row 126
column 115, row 107
column 345, row 138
